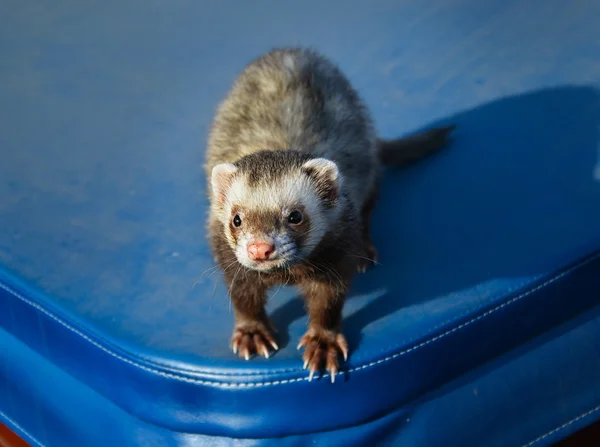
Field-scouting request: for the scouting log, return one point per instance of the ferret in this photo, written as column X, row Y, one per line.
column 293, row 164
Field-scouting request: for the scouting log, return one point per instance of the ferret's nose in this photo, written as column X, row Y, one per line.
column 260, row 251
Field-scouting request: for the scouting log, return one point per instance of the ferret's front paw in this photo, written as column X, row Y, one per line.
column 322, row 349
column 250, row 338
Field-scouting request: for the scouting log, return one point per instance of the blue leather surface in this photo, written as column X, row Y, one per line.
column 510, row 401
column 105, row 269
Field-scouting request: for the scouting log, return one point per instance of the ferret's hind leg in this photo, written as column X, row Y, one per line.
column 369, row 257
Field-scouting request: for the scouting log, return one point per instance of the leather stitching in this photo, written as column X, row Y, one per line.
column 30, row 439
column 563, row 426
column 219, row 384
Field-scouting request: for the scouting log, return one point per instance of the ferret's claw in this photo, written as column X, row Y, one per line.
column 265, row 352
column 342, row 345
column 370, row 257
column 322, row 351
column 251, row 339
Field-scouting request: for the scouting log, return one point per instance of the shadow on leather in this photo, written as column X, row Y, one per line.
column 501, row 201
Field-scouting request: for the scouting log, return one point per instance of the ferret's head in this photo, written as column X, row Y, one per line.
column 275, row 206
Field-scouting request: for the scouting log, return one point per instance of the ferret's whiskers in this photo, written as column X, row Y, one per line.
column 326, row 270
column 212, row 270
column 232, row 284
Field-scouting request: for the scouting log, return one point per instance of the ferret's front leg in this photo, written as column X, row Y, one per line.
column 253, row 328
column 324, row 341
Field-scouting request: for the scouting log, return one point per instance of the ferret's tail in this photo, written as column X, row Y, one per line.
column 404, row 151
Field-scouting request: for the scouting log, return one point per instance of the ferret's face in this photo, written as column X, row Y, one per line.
column 275, row 221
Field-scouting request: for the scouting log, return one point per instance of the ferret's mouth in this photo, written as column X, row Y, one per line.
column 269, row 265
column 282, row 258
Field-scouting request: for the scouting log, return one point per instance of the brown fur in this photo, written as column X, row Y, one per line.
column 324, row 278
column 285, row 108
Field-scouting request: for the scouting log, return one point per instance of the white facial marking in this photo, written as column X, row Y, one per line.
column 285, row 250
column 281, row 197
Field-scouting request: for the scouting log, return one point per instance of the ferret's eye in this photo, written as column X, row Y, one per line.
column 237, row 220
column 295, row 217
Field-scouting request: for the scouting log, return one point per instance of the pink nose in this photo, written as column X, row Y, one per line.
column 260, row 251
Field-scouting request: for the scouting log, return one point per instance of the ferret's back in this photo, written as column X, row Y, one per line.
column 294, row 99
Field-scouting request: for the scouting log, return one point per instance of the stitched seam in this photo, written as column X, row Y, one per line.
column 299, row 379
column 469, row 311
column 18, row 427
column 561, row 427
column 405, row 341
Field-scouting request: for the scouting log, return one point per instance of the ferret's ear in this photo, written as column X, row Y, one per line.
column 222, row 174
column 327, row 177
